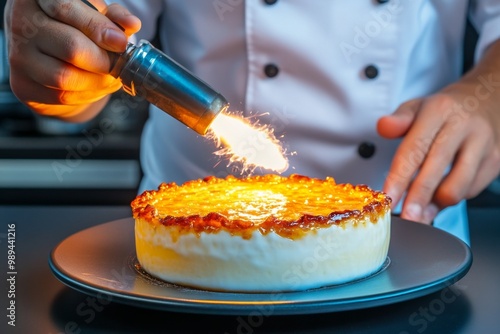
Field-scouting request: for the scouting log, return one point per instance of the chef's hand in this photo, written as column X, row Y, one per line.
column 459, row 128
column 58, row 54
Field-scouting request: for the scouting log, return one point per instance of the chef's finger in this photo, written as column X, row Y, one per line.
column 78, row 114
column 413, row 149
column 417, row 206
column 53, row 73
column 129, row 23
column 96, row 26
column 488, row 170
column 64, row 76
column 73, row 47
column 63, row 97
column 470, row 173
column 399, row 122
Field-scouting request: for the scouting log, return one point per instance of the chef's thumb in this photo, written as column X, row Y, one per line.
column 398, row 123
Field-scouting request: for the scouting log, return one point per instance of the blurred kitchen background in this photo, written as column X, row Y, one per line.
column 44, row 161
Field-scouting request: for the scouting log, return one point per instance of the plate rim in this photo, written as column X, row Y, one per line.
column 235, row 307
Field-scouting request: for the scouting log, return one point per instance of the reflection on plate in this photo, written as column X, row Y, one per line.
column 100, row 261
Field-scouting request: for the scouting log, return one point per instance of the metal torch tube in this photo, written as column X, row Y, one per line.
column 147, row 72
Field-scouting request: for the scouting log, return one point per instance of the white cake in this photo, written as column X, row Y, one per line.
column 261, row 234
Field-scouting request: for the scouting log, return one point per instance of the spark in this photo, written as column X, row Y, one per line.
column 252, row 145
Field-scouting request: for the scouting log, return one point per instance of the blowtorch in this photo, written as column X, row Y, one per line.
column 147, row 72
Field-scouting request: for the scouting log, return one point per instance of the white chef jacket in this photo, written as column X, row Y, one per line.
column 341, row 66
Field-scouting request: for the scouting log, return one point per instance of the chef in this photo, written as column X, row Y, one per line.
column 366, row 91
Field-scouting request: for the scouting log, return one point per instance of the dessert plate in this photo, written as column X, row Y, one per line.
column 100, row 261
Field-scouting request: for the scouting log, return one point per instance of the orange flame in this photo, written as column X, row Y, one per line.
column 251, row 144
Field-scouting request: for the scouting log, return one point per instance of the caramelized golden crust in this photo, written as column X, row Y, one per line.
column 289, row 206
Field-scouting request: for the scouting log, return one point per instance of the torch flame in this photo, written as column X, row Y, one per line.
column 252, row 145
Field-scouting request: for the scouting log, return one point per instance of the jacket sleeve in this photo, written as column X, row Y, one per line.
column 485, row 17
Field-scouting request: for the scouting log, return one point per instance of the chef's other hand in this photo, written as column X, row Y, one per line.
column 451, row 143
column 58, row 54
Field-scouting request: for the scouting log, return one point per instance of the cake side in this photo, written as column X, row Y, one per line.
column 264, row 262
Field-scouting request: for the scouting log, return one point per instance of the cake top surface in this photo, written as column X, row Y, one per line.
column 268, row 202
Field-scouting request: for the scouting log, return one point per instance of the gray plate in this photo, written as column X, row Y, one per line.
column 100, row 261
